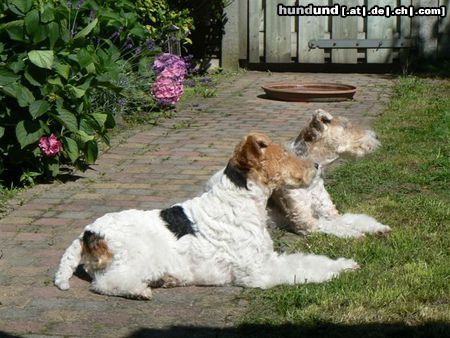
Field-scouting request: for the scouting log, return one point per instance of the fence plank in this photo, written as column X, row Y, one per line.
column 345, row 28
column 277, row 33
column 311, row 28
column 405, row 32
column 444, row 32
column 381, row 27
column 243, row 34
column 425, row 30
column 230, row 40
column 253, row 30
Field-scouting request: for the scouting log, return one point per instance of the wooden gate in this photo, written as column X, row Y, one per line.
column 259, row 35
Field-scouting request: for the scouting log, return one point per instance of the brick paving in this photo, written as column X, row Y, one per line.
column 151, row 167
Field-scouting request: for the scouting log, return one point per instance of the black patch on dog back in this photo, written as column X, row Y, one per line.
column 177, row 221
column 235, row 175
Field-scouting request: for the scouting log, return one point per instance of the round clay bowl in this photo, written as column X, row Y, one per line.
column 309, row 91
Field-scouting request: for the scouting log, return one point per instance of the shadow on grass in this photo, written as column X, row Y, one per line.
column 431, row 329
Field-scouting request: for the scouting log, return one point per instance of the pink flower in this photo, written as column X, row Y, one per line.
column 165, row 60
column 50, row 146
column 168, row 87
column 167, row 91
column 174, row 71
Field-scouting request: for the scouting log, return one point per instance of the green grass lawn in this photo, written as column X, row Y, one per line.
column 403, row 287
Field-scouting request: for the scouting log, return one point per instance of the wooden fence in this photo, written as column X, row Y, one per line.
column 256, row 34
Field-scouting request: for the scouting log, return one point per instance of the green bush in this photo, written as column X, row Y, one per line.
column 54, row 58
column 160, row 19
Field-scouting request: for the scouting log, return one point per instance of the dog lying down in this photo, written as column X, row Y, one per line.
column 306, row 210
column 310, row 209
column 217, row 238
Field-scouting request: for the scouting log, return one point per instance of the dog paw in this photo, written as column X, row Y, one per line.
column 62, row 285
column 348, row 264
column 144, row 295
column 383, row 229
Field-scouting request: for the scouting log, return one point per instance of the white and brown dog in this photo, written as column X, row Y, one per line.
column 306, row 210
column 217, row 238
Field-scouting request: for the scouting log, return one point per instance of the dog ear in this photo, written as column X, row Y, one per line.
column 318, row 124
column 249, row 152
column 322, row 116
column 313, row 131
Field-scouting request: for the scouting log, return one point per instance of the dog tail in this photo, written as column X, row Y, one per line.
column 92, row 248
column 69, row 262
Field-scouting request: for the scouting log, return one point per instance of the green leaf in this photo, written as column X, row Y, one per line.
column 100, row 119
column 38, row 108
column 21, row 93
column 138, row 31
column 53, row 166
column 47, row 14
column 53, row 33
column 87, row 126
column 71, row 148
column 90, row 68
column 2, row 131
column 14, row 29
column 75, row 91
column 83, row 137
column 34, row 28
column 7, row 76
column 28, row 132
column 17, row 66
column 22, row 5
column 63, row 70
column 91, row 152
column 56, row 81
column 42, row 58
column 110, row 122
column 84, row 57
column 31, row 79
column 86, row 30
column 67, row 119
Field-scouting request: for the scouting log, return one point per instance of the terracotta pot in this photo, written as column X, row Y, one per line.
column 309, row 91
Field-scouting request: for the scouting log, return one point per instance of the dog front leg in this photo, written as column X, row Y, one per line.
column 295, row 204
column 323, row 206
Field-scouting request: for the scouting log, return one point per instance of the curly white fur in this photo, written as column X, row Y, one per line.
column 231, row 246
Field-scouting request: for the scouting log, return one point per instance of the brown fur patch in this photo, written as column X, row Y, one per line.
column 270, row 163
column 95, row 251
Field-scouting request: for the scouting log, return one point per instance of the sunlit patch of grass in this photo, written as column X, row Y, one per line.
column 405, row 276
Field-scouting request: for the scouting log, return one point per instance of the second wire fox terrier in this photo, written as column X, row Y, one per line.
column 217, row 238
column 311, row 209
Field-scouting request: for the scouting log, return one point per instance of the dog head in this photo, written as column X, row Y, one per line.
column 327, row 137
column 257, row 158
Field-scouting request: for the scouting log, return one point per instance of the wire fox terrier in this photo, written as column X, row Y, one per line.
column 311, row 209
column 217, row 238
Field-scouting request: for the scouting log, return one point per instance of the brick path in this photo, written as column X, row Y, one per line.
column 152, row 168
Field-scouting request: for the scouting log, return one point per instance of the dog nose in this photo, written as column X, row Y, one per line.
column 316, row 165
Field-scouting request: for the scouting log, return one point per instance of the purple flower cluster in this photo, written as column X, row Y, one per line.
column 190, row 64
column 170, row 71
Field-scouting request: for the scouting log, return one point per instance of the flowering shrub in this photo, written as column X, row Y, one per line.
column 54, row 57
column 170, row 72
